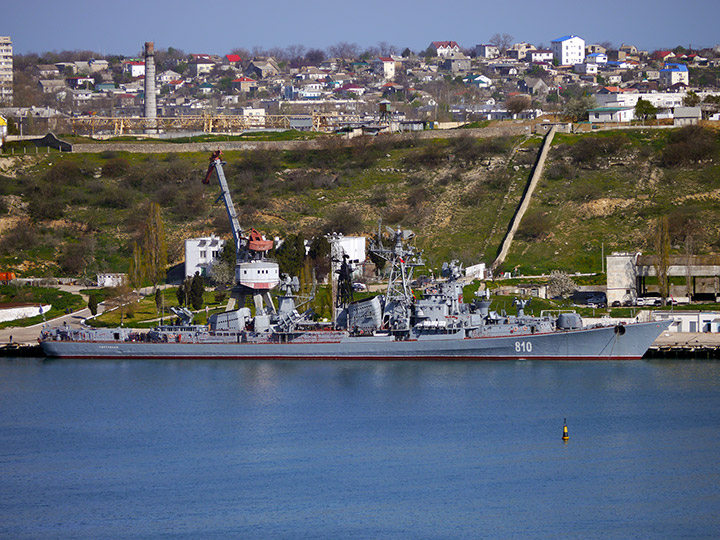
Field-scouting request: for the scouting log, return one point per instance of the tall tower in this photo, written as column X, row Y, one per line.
column 6, row 71
column 150, row 103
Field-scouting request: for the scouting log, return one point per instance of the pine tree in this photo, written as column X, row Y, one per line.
column 93, row 304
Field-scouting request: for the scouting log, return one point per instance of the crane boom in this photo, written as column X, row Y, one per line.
column 237, row 232
column 255, row 274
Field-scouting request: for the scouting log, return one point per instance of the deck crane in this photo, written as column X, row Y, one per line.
column 255, row 274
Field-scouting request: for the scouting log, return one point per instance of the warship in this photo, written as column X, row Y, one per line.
column 396, row 325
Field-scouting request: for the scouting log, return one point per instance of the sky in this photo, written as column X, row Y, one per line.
column 220, row 26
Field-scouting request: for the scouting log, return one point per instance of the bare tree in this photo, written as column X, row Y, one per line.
column 517, row 104
column 344, row 50
column 295, row 53
column 386, row 48
column 662, row 256
column 136, row 274
column 501, row 41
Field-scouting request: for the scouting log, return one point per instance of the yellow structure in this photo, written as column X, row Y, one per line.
column 3, row 130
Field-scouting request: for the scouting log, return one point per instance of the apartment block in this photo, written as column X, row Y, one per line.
column 6, row 71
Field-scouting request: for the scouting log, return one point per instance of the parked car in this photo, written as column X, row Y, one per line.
column 359, row 287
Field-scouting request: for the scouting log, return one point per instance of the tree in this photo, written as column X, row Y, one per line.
column 181, row 292
column 344, row 50
column 319, row 256
column 644, row 109
column 501, row 41
column 159, row 302
column 577, row 108
column 93, row 304
column 136, row 274
column 155, row 246
column 406, row 52
column 197, row 291
column 662, row 256
column 691, row 99
column 560, row 284
column 290, row 255
column 517, row 104
column 314, row 56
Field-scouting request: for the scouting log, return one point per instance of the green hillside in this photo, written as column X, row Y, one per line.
column 77, row 214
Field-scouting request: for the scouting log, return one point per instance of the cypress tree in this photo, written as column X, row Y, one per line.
column 197, row 290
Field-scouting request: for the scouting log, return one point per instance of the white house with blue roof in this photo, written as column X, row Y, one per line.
column 673, row 74
column 568, row 50
column 596, row 58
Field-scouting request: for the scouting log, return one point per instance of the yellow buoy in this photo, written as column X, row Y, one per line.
column 565, row 436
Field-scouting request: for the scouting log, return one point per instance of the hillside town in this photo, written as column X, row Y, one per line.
column 376, row 89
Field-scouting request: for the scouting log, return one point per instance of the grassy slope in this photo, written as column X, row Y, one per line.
column 457, row 195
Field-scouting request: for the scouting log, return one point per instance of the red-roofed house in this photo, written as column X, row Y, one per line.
column 232, row 60
column 662, row 56
column 385, row 66
column 135, row 68
column 243, row 84
column 445, row 48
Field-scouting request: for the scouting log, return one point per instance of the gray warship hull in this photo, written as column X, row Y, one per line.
column 624, row 342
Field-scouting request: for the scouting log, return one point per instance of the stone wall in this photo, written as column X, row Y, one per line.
column 164, row 147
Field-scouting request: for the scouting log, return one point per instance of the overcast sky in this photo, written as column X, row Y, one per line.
column 217, row 27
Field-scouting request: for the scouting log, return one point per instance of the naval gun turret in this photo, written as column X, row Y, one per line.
column 255, row 274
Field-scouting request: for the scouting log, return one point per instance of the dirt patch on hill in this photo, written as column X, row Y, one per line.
column 602, row 207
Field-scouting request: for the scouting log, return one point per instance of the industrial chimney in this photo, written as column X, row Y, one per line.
column 150, row 104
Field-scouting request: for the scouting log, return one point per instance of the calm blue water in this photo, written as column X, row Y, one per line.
column 184, row 449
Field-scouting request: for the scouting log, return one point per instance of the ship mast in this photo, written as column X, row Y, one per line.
column 403, row 259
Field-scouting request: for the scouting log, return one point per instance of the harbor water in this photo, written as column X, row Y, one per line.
column 346, row 450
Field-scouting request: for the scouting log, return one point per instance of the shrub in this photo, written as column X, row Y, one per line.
column 534, row 227
column 589, row 149
column 431, row 155
column 344, row 219
column 23, row 237
column 558, row 170
column 64, row 172
column 689, row 145
column 116, row 166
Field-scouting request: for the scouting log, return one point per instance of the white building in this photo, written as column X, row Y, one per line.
column 673, row 74
column 540, row 55
column 611, row 114
column 568, row 50
column 353, row 247
column 661, row 100
column 487, row 51
column 586, row 68
column 446, row 48
column 476, row 271
column 255, row 117
column 596, row 58
column 691, row 321
column 384, row 66
column 134, row 68
column 200, row 253
column 6, row 71
column 111, row 280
